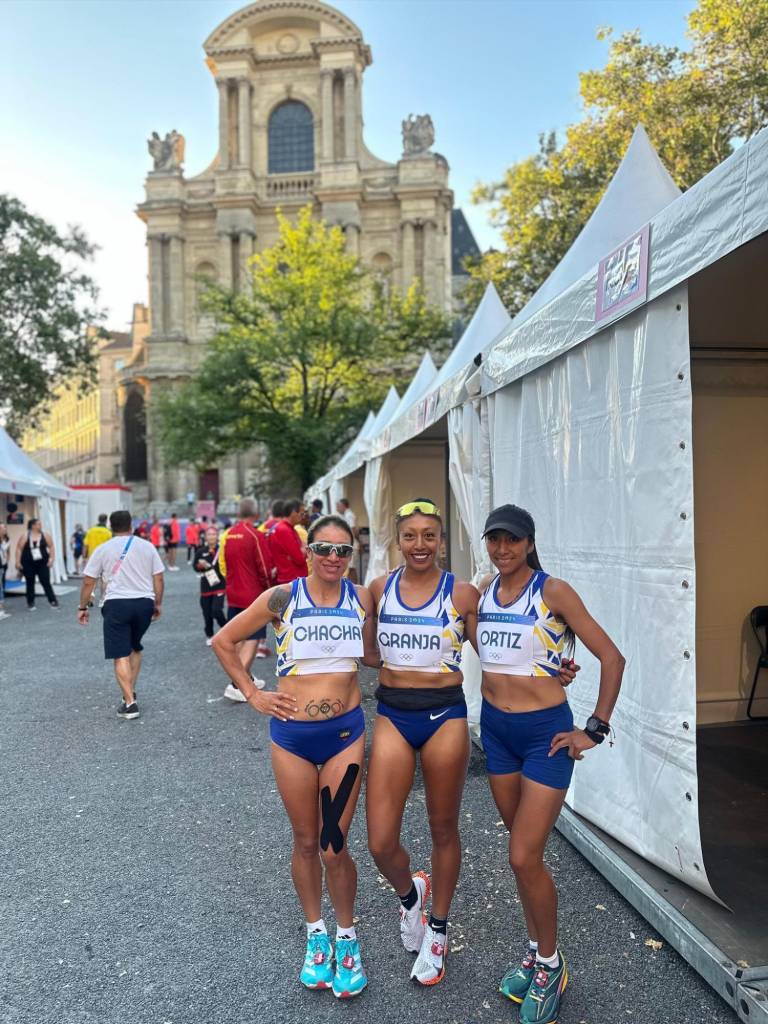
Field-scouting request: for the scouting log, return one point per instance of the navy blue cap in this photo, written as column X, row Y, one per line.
column 511, row 519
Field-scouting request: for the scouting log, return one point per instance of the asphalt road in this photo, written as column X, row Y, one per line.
column 144, row 866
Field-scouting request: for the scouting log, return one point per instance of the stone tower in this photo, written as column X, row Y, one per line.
column 289, row 75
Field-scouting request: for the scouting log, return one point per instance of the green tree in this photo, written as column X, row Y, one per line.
column 299, row 357
column 47, row 304
column 695, row 104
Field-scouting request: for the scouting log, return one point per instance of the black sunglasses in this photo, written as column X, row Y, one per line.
column 324, row 549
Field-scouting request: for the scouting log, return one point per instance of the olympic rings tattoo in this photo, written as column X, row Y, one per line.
column 325, row 707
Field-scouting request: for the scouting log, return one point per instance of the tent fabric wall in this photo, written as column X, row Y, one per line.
column 378, row 504
column 469, row 476
column 725, row 209
column 597, row 445
column 50, row 517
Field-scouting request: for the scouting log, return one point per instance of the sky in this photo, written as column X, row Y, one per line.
column 84, row 83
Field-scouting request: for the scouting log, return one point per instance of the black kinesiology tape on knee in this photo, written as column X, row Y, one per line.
column 332, row 810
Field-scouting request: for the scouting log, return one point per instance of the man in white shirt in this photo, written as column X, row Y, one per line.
column 342, row 507
column 132, row 580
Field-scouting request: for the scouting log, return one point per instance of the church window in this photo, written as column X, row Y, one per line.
column 291, row 139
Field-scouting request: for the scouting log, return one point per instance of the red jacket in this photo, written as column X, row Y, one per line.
column 155, row 535
column 286, row 551
column 249, row 564
column 175, row 531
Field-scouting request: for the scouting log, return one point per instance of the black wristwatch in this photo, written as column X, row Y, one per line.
column 596, row 729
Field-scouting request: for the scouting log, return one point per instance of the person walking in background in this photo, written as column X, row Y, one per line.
column 132, row 576
column 275, row 515
column 193, row 537
column 96, row 535
column 212, row 584
column 76, row 542
column 343, row 509
column 172, row 538
column 157, row 537
column 34, row 558
column 288, row 553
column 5, row 558
column 316, row 510
column 244, row 558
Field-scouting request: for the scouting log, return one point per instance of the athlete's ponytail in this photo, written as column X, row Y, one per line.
column 569, row 637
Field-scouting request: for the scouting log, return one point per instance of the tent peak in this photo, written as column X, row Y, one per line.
column 640, row 188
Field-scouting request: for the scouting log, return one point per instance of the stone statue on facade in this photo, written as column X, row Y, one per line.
column 418, row 134
column 167, row 153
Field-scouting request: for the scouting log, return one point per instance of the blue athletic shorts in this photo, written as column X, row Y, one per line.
column 520, row 742
column 318, row 742
column 416, row 727
column 126, row 620
column 260, row 634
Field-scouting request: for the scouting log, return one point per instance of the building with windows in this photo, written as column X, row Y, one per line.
column 79, row 440
column 289, row 76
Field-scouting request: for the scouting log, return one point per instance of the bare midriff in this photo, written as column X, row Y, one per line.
column 322, row 696
column 419, row 680
column 522, row 693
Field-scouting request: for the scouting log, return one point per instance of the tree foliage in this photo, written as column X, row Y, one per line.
column 695, row 104
column 299, row 357
column 47, row 305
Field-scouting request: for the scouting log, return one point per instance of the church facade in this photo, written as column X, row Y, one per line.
column 289, row 76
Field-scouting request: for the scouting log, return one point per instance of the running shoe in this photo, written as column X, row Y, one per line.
column 262, row 651
column 4, row 614
column 209, row 642
column 232, row 693
column 429, row 967
column 516, row 982
column 542, row 1001
column 350, row 978
column 128, row 710
column 258, row 683
column 414, row 921
column 317, row 971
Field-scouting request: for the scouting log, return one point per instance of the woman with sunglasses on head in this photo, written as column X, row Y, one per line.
column 421, row 617
column 323, row 627
column 526, row 620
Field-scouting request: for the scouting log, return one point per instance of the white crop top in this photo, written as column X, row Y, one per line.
column 523, row 638
column 311, row 640
column 424, row 639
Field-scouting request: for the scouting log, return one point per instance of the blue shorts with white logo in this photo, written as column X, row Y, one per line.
column 519, row 741
column 318, row 742
column 416, row 727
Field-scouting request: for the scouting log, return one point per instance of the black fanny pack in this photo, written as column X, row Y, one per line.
column 419, row 698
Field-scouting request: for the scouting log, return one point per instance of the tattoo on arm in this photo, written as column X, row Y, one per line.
column 278, row 601
column 325, row 708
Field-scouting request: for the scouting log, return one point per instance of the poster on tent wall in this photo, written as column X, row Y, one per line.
column 622, row 277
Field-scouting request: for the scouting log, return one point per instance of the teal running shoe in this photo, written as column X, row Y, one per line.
column 516, row 982
column 317, row 971
column 542, row 1001
column 349, row 979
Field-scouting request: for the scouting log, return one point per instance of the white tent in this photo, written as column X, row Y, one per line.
column 637, row 442
column 21, row 475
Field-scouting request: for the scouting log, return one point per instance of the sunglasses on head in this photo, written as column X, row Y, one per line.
column 324, row 549
column 425, row 507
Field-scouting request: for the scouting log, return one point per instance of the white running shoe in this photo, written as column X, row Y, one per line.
column 258, row 683
column 4, row 614
column 430, row 963
column 232, row 693
column 209, row 642
column 413, row 921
